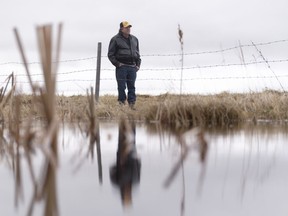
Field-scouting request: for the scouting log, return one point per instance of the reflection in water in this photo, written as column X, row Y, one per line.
column 192, row 139
column 45, row 189
column 95, row 140
column 126, row 172
column 242, row 169
column 22, row 148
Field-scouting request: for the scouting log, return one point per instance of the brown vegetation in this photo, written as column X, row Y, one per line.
column 177, row 111
column 41, row 103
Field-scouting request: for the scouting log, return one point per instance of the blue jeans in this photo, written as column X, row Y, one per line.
column 126, row 76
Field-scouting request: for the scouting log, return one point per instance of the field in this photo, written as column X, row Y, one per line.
column 184, row 111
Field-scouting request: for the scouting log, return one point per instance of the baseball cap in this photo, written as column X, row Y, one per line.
column 125, row 24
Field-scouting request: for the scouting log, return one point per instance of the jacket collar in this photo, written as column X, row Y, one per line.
column 121, row 34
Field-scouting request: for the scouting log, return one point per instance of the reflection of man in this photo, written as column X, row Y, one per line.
column 126, row 172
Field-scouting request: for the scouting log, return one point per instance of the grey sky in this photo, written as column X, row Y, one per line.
column 207, row 25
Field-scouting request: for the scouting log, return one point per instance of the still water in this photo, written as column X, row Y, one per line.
column 241, row 171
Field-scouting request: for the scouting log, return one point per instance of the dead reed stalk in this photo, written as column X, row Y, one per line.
column 180, row 34
column 4, row 98
column 46, row 187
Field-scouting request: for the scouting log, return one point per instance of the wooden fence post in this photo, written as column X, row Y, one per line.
column 98, row 68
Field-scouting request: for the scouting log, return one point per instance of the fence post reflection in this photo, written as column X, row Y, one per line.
column 94, row 134
column 99, row 158
column 126, row 172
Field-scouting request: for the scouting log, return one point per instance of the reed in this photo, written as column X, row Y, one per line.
column 44, row 97
column 180, row 34
column 5, row 98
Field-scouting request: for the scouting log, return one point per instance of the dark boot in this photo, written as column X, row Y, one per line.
column 132, row 106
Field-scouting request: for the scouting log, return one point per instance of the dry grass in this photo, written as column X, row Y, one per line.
column 190, row 110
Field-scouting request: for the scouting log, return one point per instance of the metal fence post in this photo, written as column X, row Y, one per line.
column 98, row 68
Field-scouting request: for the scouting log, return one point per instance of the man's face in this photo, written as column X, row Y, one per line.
column 126, row 30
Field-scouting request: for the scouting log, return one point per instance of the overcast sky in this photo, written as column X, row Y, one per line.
column 207, row 25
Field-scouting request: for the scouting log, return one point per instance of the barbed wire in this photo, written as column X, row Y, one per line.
column 61, row 73
column 62, row 61
column 220, row 50
column 163, row 79
column 211, row 66
column 163, row 55
column 164, row 69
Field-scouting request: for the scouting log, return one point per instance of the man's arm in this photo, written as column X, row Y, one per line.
column 138, row 61
column 112, row 51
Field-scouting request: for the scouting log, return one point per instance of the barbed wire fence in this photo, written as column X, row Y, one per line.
column 203, row 72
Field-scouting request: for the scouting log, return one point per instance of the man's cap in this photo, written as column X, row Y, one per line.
column 125, row 24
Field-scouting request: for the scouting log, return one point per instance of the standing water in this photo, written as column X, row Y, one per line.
column 145, row 170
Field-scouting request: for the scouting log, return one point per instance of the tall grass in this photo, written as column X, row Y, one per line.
column 218, row 110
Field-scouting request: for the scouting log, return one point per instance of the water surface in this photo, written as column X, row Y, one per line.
column 244, row 173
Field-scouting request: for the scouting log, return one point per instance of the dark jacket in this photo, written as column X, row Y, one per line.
column 122, row 50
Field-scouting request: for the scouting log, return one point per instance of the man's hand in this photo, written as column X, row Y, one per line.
column 137, row 67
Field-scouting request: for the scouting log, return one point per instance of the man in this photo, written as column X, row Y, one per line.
column 123, row 52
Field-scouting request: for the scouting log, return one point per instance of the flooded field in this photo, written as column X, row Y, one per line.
column 239, row 171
